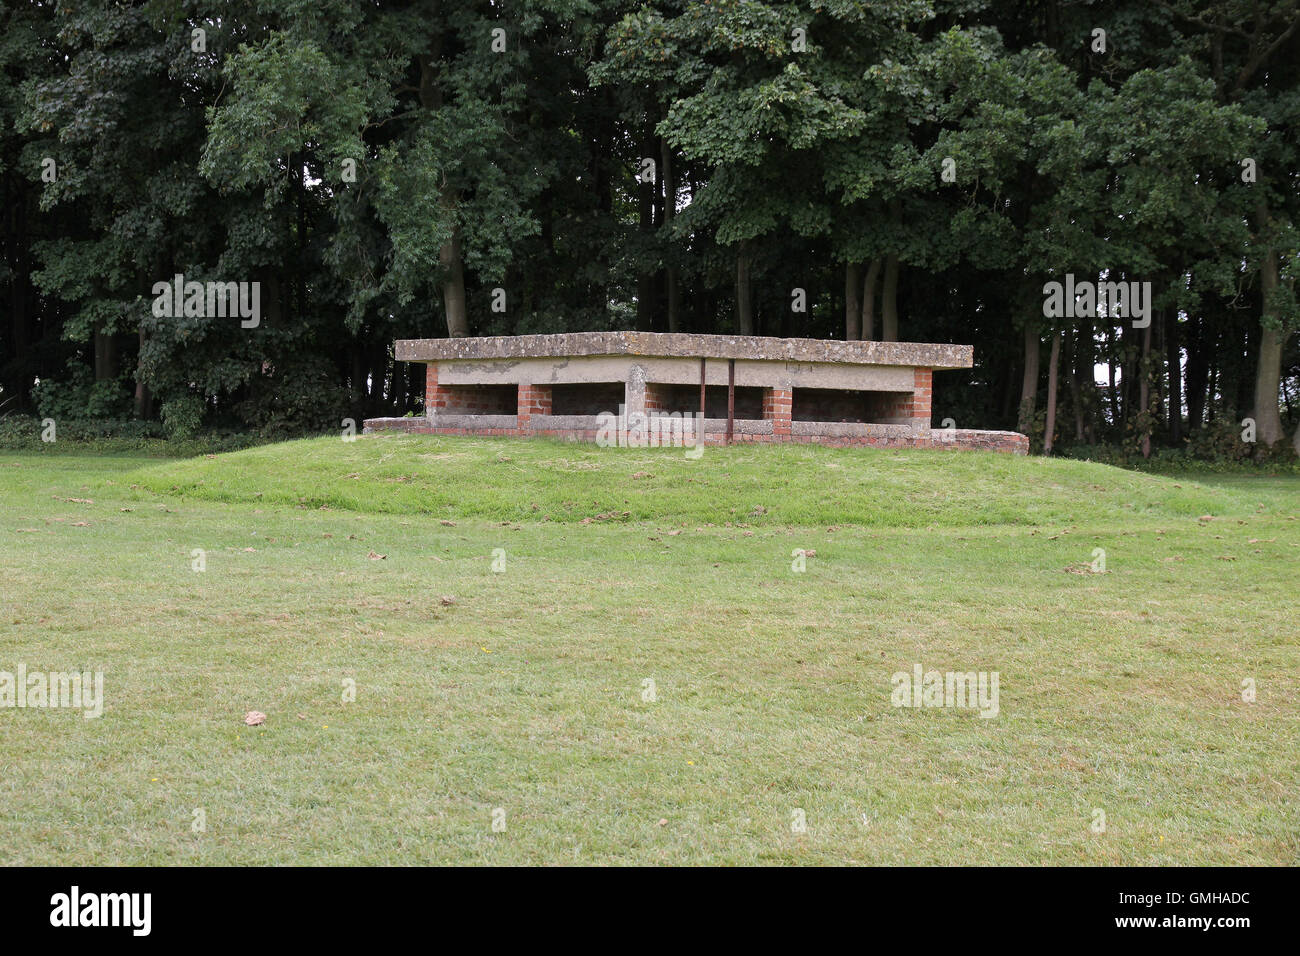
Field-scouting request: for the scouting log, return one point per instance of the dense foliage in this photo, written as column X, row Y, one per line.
column 909, row 170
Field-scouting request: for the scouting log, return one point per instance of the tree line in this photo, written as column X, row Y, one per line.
column 900, row 170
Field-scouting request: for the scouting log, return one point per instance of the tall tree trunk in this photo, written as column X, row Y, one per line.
column 1128, row 368
column 1268, row 420
column 1029, row 385
column 143, row 397
column 1007, row 407
column 646, row 192
column 889, row 301
column 1074, row 351
column 300, row 200
column 1268, row 368
column 1198, row 369
column 17, row 384
column 1174, row 356
column 1144, row 391
column 655, row 151
column 1053, row 363
column 358, row 377
column 1155, row 379
column 674, row 300
column 869, row 300
column 670, row 210
column 453, row 286
column 1112, row 394
column 380, row 367
column 1238, row 368
column 744, row 293
column 889, row 294
column 1214, row 388
column 105, row 356
column 645, row 295
column 852, row 301
column 450, row 256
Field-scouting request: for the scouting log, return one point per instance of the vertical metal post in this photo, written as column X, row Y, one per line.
column 731, row 398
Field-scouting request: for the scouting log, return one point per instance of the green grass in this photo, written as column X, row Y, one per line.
column 507, row 480
column 1118, row 691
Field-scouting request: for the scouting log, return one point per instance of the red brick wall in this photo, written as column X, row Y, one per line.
column 777, row 403
column 921, row 394
column 433, row 399
column 970, row 439
column 658, row 398
column 533, row 400
column 464, row 399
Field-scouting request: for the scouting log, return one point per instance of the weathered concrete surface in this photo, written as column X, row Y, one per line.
column 575, row 369
column 585, row 428
column 684, row 345
column 855, row 429
column 454, row 420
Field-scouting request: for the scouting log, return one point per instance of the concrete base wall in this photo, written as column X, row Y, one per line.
column 585, row 428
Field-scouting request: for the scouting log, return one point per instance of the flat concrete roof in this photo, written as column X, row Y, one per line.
column 685, row 345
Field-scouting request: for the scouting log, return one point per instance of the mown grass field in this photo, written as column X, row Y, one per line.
column 329, row 561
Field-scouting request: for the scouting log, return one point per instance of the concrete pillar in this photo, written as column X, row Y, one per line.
column 634, row 391
column 634, row 403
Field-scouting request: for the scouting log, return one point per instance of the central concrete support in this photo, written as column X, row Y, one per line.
column 634, row 394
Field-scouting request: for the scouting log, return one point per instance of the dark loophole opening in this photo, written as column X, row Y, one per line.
column 686, row 399
column 586, row 398
column 479, row 399
column 843, row 405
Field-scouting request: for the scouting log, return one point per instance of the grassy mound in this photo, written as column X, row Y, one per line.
column 511, row 480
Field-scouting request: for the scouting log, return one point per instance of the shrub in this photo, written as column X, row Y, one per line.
column 79, row 396
column 182, row 417
column 298, row 400
column 1215, row 447
column 107, row 437
column 1219, row 441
